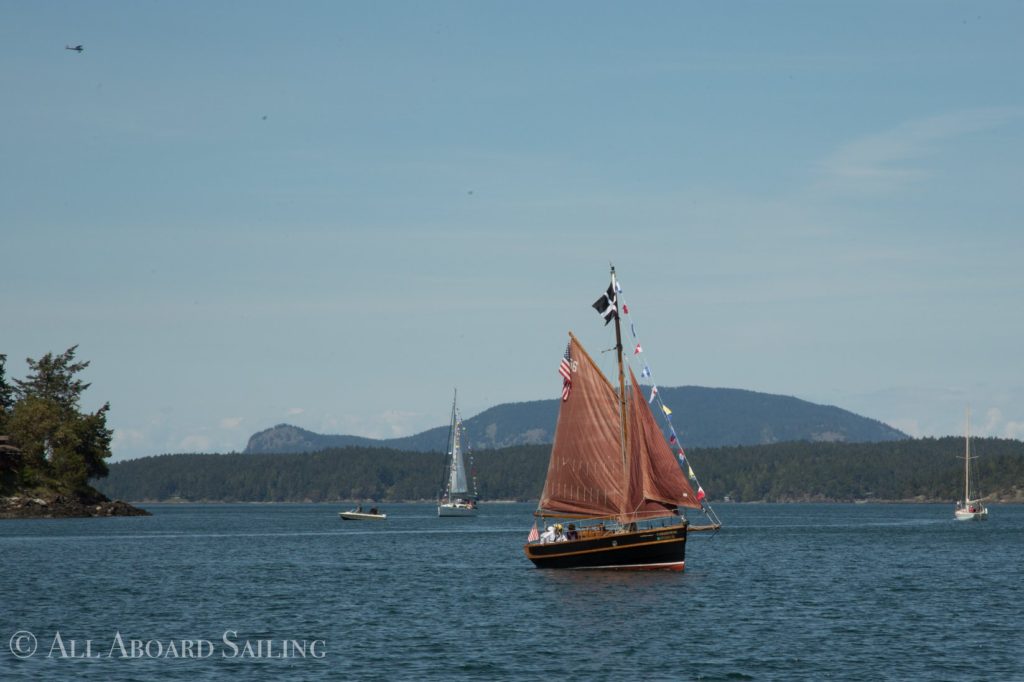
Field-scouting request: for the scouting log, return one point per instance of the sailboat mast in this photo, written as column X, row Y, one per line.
column 452, row 436
column 967, row 458
column 622, row 378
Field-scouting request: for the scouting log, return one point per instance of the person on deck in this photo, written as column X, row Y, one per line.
column 548, row 535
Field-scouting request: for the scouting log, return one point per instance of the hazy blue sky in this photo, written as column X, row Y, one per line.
column 330, row 214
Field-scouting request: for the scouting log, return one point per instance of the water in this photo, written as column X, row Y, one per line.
column 785, row 592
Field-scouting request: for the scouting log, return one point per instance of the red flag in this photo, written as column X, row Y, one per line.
column 638, row 350
column 534, row 534
column 700, row 495
column 625, row 308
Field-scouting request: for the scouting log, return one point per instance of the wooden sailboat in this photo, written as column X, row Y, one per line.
column 456, row 500
column 613, row 484
column 970, row 508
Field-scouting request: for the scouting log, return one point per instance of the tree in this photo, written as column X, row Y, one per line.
column 59, row 443
column 6, row 394
column 53, row 379
column 10, row 456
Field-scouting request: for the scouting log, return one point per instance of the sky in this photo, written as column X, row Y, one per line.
column 332, row 214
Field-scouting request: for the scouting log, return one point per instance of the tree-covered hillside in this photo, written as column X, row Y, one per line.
column 350, row 473
column 925, row 469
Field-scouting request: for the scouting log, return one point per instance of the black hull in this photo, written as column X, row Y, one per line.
column 651, row 549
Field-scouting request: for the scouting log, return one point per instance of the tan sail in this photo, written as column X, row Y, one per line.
column 657, row 484
column 587, row 475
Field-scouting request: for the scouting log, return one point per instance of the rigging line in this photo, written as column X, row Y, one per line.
column 621, row 303
column 710, row 514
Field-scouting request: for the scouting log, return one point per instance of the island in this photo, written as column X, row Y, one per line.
column 49, row 448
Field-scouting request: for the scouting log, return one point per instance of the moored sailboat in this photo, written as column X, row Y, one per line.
column 970, row 508
column 614, row 488
column 456, row 500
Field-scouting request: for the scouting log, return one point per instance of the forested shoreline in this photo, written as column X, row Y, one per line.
column 922, row 470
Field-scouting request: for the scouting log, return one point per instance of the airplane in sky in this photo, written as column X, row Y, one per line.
column 76, row 48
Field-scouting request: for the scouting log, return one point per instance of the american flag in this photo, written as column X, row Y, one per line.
column 565, row 369
column 534, row 534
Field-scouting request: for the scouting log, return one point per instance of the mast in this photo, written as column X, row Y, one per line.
column 622, row 380
column 451, row 448
column 967, row 459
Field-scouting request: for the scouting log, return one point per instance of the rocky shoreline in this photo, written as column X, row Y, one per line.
column 57, row 506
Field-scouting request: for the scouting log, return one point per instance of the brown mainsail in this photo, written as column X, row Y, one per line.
column 585, row 474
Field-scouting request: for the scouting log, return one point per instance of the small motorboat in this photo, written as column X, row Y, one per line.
column 358, row 514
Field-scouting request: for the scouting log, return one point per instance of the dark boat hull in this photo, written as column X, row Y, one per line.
column 650, row 549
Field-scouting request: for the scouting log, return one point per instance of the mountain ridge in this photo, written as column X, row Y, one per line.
column 702, row 416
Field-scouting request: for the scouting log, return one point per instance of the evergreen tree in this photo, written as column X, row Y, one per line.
column 10, row 456
column 52, row 378
column 6, row 394
column 59, row 443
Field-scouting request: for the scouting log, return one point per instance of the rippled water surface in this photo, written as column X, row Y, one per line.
column 784, row 592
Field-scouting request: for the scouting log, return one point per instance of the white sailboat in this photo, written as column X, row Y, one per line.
column 970, row 508
column 456, row 499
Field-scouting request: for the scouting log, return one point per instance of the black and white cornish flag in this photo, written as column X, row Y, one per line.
column 606, row 305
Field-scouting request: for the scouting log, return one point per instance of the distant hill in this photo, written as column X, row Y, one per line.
column 703, row 417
